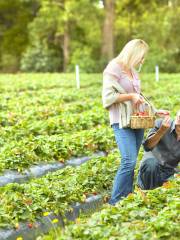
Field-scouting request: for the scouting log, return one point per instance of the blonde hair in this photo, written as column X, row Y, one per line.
column 133, row 53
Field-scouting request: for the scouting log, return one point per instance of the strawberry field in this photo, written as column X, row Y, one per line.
column 48, row 125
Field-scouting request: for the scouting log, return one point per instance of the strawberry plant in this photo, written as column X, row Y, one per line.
column 44, row 118
column 56, row 191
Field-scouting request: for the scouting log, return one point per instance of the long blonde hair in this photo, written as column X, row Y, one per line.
column 133, row 53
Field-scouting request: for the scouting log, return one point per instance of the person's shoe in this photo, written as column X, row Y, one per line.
column 111, row 203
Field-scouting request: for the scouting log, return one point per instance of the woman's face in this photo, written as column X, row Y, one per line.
column 139, row 65
column 140, row 62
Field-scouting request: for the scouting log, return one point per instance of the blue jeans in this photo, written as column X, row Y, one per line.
column 129, row 142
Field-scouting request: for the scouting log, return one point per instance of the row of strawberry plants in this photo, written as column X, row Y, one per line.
column 21, row 154
column 41, row 106
column 9, row 101
column 169, row 83
column 44, row 112
column 51, row 103
column 64, row 123
column 143, row 215
column 34, row 82
column 25, row 103
column 56, row 191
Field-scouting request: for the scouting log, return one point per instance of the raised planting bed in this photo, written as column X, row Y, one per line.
column 20, row 155
column 42, row 169
column 56, row 192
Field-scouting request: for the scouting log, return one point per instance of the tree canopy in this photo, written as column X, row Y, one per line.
column 54, row 35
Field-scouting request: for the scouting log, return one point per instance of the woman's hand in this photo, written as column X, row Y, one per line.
column 137, row 99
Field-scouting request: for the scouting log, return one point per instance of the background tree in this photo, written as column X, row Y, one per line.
column 108, row 30
column 15, row 15
column 68, row 30
column 55, row 35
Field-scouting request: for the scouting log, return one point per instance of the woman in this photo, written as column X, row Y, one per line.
column 121, row 96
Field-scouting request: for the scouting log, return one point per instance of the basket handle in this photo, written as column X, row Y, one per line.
column 137, row 110
column 150, row 109
column 147, row 100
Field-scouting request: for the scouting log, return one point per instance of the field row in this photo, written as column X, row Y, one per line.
column 34, row 82
column 59, row 124
column 56, row 191
column 143, row 215
column 21, row 154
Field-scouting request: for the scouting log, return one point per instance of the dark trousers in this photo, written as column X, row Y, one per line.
column 152, row 174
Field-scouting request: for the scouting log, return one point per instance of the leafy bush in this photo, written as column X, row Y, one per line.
column 82, row 56
column 40, row 58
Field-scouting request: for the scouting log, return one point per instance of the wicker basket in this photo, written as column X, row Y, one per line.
column 138, row 120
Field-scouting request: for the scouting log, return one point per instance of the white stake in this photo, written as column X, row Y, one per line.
column 77, row 77
column 157, row 73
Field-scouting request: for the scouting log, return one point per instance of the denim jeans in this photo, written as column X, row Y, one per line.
column 152, row 174
column 129, row 142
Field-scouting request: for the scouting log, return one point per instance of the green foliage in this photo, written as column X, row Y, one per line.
column 144, row 215
column 83, row 57
column 56, row 191
column 15, row 17
column 39, row 58
column 44, row 118
column 52, row 114
column 52, row 35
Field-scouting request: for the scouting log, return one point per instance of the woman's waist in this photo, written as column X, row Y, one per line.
column 115, row 108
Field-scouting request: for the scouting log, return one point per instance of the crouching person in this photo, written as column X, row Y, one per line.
column 162, row 153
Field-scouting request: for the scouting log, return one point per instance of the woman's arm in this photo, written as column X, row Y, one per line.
column 111, row 96
column 134, row 97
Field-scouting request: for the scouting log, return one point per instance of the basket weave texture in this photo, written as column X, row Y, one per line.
column 143, row 119
column 142, row 122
